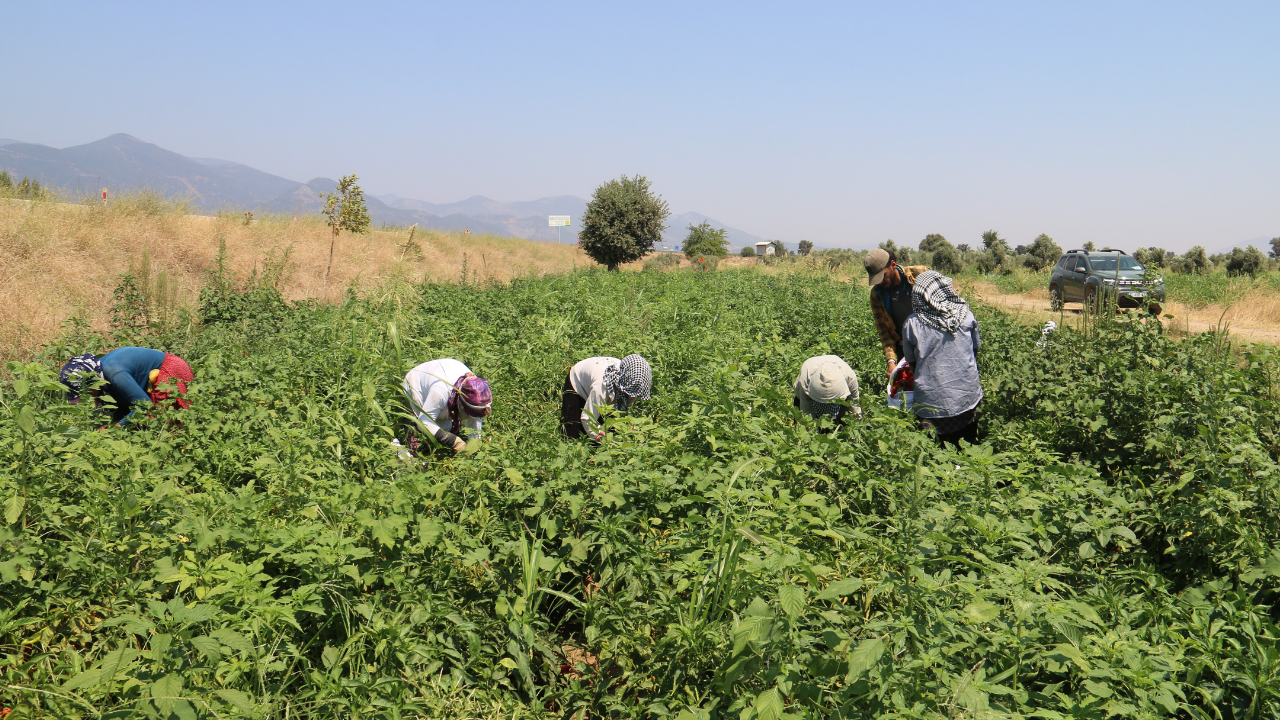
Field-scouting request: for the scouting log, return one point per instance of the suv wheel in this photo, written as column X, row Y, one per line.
column 1055, row 297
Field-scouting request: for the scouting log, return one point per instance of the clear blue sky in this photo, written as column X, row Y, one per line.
column 1125, row 123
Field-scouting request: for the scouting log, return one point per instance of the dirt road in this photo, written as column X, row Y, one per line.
column 1034, row 307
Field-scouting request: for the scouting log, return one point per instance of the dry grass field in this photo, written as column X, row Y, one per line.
column 59, row 260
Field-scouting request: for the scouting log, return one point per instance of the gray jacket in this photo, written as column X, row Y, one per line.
column 945, row 367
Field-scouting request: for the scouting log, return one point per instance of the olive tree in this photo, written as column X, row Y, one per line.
column 622, row 222
column 1043, row 253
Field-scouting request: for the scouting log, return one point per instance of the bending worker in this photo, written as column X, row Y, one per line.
column 823, row 382
column 134, row 375
column 941, row 341
column 599, row 381
column 890, row 300
column 446, row 392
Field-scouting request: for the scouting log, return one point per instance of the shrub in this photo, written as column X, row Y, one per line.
column 747, row 251
column 622, row 222
column 806, row 247
column 1043, row 253
column 932, row 241
column 1152, row 257
column 1192, row 262
column 1245, row 261
column 946, row 259
column 661, row 261
column 705, row 241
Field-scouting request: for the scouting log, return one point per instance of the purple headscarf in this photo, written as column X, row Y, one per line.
column 474, row 396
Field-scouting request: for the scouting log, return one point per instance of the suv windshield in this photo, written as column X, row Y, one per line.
column 1108, row 262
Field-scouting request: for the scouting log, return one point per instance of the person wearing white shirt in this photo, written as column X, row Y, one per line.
column 824, row 381
column 599, row 381
column 446, row 394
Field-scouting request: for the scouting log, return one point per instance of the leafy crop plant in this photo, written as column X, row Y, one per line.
column 1110, row 551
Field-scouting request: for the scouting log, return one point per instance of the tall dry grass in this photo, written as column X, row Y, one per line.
column 60, row 260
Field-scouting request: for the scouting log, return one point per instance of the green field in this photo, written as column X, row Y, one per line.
column 1110, row 550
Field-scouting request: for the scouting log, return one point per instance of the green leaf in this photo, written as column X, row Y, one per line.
column 208, row 647
column 232, row 639
column 863, row 658
column 167, row 691
column 104, row 671
column 792, row 599
column 238, row 699
column 13, row 509
column 840, row 589
column 26, row 420
column 768, row 705
column 981, row 612
column 1067, row 651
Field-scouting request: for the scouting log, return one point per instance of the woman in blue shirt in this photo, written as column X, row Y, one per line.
column 134, row 375
column 940, row 341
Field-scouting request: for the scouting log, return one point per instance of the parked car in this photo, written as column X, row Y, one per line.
column 1083, row 277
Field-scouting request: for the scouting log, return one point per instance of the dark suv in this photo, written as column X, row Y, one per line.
column 1082, row 277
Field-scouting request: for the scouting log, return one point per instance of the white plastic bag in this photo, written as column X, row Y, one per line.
column 905, row 397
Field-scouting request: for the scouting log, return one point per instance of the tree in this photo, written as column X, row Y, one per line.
column 964, row 248
column 748, row 251
column 901, row 254
column 1275, row 247
column 6, row 182
column 946, row 259
column 1090, row 247
column 806, row 247
column 997, row 249
column 704, row 240
column 622, row 222
column 1043, row 253
column 779, row 247
column 1193, row 262
column 1242, row 261
column 345, row 210
column 931, row 242
column 1150, row 257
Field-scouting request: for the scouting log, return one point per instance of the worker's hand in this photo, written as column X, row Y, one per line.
column 459, row 445
column 889, row 370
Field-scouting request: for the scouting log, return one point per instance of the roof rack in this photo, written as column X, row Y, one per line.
column 1086, row 252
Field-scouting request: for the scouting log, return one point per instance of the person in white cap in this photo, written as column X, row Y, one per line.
column 824, row 381
column 891, row 286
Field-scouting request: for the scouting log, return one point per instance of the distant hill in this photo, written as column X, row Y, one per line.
column 122, row 163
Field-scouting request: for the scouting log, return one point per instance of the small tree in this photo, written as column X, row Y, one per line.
column 946, row 259
column 931, row 242
column 704, row 240
column 1193, row 262
column 748, row 251
column 806, row 247
column 1089, row 246
column 622, row 222
column 997, row 250
column 1043, row 253
column 6, row 182
column 1150, row 257
column 345, row 210
column 902, row 254
column 964, row 248
column 1275, row 247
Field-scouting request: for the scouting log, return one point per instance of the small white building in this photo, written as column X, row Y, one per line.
column 764, row 248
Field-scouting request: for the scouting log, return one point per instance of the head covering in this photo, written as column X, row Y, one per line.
column 876, row 261
column 75, row 371
column 471, row 394
column 936, row 303
column 631, row 379
column 824, row 383
column 171, row 378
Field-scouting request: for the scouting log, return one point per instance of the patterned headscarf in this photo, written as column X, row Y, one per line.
column 936, row 303
column 75, row 371
column 473, row 395
column 631, row 379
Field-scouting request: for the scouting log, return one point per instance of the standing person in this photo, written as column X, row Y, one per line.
column 600, row 381
column 940, row 340
column 134, row 375
column 446, row 392
column 891, row 286
column 823, row 382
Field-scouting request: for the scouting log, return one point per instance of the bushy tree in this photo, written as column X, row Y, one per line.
column 1043, row 253
column 1193, row 262
column 903, row 254
column 806, row 247
column 779, row 247
column 343, row 210
column 1021, row 250
column 997, row 249
column 1241, row 261
column 6, row 182
column 1090, row 247
column 622, row 222
column 946, row 259
column 1275, row 247
column 1150, row 257
column 748, row 251
column 705, row 241
column 964, row 248
column 931, row 242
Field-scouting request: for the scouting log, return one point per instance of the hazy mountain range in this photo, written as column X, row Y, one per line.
column 122, row 162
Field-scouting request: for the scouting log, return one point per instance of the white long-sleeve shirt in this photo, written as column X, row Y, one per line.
column 428, row 387
column 587, row 378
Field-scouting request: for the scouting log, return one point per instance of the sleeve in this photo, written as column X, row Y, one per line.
column 855, row 395
column 589, row 412
column 126, row 392
column 884, row 326
column 802, row 400
column 909, row 342
column 429, row 410
column 977, row 340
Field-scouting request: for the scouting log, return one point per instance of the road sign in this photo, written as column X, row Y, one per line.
column 557, row 221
